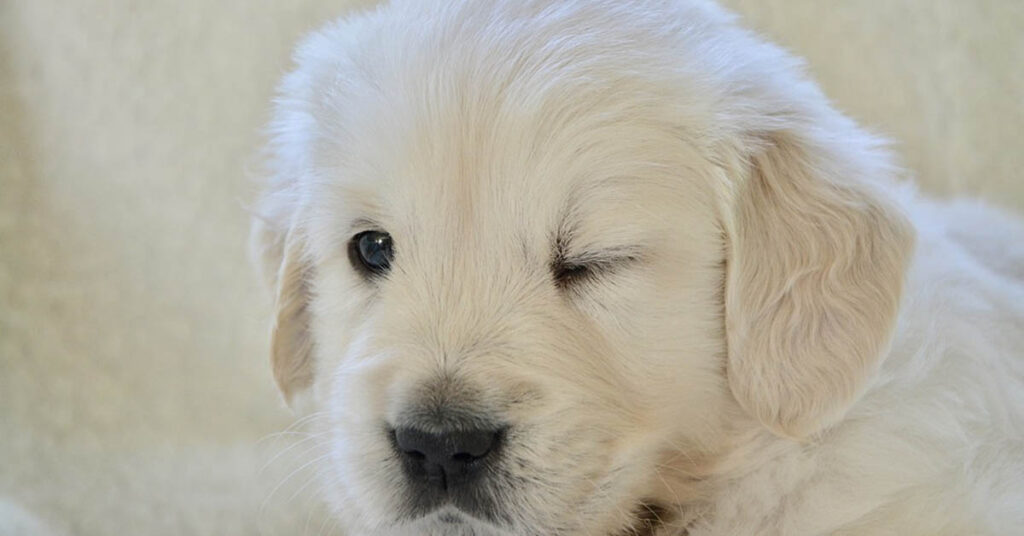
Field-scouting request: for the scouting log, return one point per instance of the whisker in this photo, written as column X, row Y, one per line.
column 309, row 481
column 310, row 437
column 291, row 475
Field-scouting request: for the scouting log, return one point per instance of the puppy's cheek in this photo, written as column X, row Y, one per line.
column 359, row 382
column 572, row 476
column 365, row 477
column 361, row 476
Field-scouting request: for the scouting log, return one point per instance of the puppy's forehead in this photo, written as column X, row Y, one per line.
column 507, row 143
column 461, row 173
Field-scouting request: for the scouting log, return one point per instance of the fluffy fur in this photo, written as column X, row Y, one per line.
column 781, row 339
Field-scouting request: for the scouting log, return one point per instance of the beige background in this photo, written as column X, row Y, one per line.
column 134, row 392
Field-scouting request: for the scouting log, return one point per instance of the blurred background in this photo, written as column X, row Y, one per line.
column 135, row 391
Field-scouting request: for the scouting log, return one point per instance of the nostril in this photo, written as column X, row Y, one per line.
column 464, row 457
column 475, row 444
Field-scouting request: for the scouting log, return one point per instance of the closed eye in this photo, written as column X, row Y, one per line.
column 566, row 273
column 571, row 271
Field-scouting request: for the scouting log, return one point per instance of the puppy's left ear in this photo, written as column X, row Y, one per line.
column 281, row 256
column 815, row 271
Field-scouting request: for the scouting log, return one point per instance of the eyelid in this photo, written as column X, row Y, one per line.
column 362, row 225
column 568, row 270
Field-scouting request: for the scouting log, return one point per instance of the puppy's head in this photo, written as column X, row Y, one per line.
column 534, row 262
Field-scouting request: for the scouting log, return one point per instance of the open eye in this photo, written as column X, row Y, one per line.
column 371, row 252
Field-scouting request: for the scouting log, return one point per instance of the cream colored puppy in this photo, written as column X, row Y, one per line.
column 603, row 267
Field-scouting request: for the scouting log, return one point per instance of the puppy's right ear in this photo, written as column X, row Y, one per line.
column 282, row 259
column 816, row 265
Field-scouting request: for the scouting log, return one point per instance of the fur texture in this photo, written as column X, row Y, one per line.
column 776, row 336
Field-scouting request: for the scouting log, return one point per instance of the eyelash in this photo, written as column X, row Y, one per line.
column 570, row 272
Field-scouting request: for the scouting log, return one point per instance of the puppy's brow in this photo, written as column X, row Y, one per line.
column 363, row 224
column 563, row 254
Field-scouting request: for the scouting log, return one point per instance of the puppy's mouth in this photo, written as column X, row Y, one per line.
column 452, row 517
column 453, row 511
column 648, row 518
column 455, row 507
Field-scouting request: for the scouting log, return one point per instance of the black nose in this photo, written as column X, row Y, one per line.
column 447, row 458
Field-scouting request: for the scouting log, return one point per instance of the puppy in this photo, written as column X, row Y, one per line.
column 603, row 267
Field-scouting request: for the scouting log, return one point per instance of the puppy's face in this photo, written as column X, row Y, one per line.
column 555, row 287
column 502, row 272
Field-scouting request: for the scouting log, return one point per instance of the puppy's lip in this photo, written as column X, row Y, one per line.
column 451, row 516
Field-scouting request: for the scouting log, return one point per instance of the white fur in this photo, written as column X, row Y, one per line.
column 789, row 342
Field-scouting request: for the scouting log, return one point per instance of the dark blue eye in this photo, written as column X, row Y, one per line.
column 371, row 252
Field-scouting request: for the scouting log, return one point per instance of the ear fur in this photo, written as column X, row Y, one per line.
column 815, row 271
column 282, row 259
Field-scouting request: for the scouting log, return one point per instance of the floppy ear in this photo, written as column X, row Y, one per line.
column 815, row 270
column 283, row 262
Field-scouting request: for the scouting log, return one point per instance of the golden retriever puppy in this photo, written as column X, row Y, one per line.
column 606, row 267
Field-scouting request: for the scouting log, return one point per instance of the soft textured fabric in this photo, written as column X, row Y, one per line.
column 135, row 389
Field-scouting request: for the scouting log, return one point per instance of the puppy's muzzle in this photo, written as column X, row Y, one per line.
column 447, row 460
column 452, row 442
